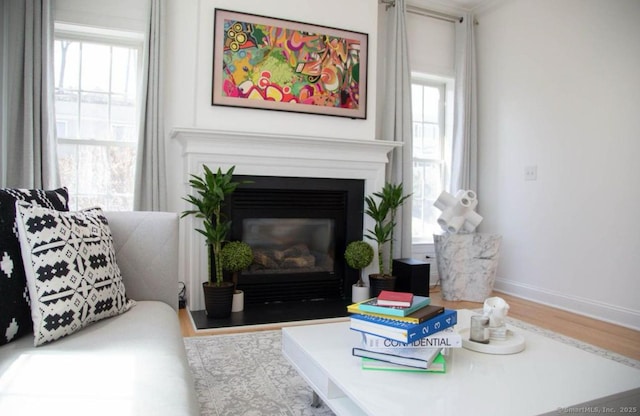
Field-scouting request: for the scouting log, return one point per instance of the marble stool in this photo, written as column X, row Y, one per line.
column 467, row 264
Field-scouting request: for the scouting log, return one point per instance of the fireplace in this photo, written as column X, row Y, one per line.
column 293, row 156
column 298, row 229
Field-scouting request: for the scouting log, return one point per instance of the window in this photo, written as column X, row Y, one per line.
column 430, row 169
column 97, row 106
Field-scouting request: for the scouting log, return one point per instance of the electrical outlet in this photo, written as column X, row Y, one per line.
column 531, row 173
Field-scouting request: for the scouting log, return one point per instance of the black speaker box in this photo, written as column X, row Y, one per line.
column 412, row 276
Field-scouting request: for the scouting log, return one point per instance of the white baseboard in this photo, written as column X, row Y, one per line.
column 592, row 308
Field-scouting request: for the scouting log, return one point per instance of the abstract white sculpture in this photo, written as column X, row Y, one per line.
column 458, row 211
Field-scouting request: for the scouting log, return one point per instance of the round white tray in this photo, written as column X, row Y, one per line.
column 512, row 345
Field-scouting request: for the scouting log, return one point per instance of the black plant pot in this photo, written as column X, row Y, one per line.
column 218, row 299
column 378, row 283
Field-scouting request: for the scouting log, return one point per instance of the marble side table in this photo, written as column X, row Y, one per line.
column 467, row 264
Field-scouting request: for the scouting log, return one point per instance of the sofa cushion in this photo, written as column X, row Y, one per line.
column 15, row 313
column 71, row 270
column 131, row 364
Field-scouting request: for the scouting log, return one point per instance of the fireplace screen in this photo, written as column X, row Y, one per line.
column 290, row 245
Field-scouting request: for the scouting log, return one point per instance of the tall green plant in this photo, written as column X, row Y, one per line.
column 383, row 210
column 381, row 232
column 393, row 198
column 212, row 189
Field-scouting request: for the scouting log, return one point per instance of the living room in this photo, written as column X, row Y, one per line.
column 557, row 91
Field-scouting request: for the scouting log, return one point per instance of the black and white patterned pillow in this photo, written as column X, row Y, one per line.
column 15, row 313
column 71, row 270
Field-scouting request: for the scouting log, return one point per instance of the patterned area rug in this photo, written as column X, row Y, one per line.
column 246, row 374
column 575, row 343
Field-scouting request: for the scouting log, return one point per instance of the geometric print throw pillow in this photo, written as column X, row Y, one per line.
column 71, row 270
column 15, row 312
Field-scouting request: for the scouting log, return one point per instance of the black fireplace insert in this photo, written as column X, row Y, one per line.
column 298, row 229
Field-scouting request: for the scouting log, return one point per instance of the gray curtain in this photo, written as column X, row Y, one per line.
column 150, row 184
column 464, row 169
column 28, row 128
column 396, row 118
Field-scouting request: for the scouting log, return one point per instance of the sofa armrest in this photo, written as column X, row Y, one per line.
column 146, row 245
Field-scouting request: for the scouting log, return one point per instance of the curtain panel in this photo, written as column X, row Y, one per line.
column 464, row 169
column 28, row 132
column 150, row 192
column 396, row 118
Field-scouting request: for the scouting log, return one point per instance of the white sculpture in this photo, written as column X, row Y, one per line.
column 458, row 211
column 496, row 309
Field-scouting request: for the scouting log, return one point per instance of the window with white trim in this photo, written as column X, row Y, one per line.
column 430, row 167
column 97, row 74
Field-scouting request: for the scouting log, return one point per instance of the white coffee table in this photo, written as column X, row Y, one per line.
column 547, row 376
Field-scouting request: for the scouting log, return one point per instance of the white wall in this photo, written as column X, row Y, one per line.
column 189, row 69
column 559, row 89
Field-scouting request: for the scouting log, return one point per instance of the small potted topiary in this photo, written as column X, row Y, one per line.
column 235, row 257
column 358, row 255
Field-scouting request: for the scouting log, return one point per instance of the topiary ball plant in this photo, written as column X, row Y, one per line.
column 358, row 255
column 236, row 256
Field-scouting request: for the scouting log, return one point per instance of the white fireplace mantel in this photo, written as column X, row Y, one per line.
column 269, row 155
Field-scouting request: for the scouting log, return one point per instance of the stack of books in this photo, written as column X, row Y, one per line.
column 403, row 332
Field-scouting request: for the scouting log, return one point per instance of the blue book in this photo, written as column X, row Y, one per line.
column 371, row 305
column 403, row 331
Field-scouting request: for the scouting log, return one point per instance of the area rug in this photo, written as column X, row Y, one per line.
column 246, row 375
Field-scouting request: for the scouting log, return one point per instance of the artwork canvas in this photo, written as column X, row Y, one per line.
column 267, row 63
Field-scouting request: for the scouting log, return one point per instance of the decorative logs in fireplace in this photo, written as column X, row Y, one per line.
column 296, row 258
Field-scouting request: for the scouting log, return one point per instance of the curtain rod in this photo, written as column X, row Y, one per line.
column 424, row 12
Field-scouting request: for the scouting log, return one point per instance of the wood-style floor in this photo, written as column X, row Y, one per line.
column 612, row 337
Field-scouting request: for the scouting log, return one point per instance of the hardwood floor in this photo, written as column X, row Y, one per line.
column 612, row 337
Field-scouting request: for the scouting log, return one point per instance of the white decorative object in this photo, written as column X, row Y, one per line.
column 237, row 304
column 467, row 265
column 458, row 211
column 496, row 310
column 359, row 293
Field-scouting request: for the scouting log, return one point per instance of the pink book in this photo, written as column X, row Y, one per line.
column 391, row 298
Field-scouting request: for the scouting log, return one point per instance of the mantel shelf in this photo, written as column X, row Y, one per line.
column 284, row 146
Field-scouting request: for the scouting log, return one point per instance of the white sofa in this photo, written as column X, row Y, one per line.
column 131, row 364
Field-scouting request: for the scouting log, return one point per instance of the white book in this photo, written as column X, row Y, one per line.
column 409, row 357
column 443, row 339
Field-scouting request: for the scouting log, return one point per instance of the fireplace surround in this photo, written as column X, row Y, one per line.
column 256, row 154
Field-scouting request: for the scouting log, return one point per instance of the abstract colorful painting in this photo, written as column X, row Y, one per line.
column 267, row 63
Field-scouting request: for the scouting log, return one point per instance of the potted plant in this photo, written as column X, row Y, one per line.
column 382, row 207
column 235, row 257
column 211, row 190
column 358, row 255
